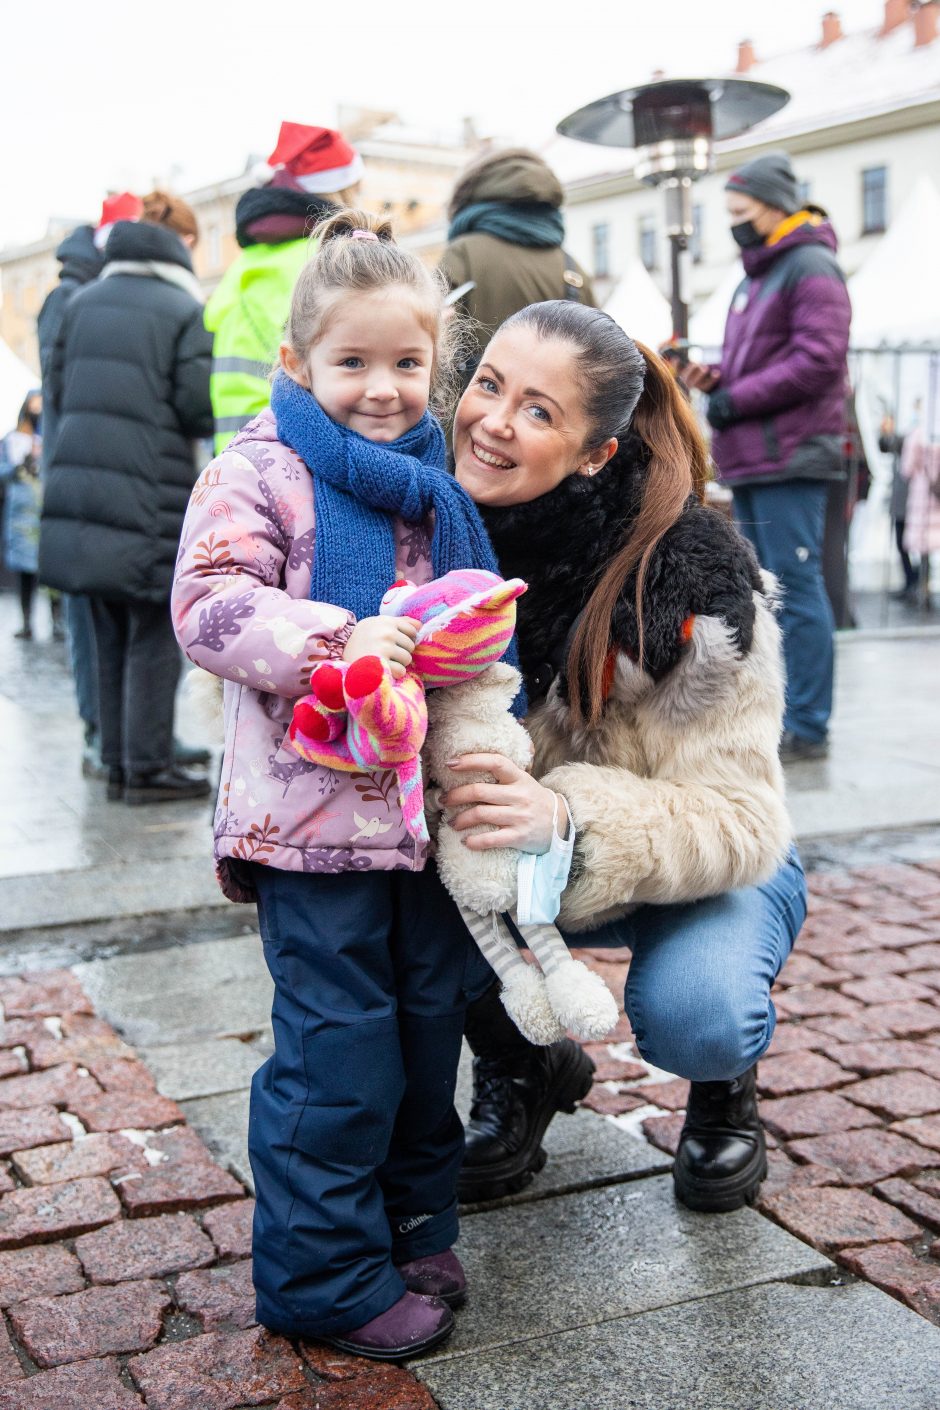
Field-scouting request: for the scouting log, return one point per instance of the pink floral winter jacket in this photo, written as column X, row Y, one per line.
column 241, row 610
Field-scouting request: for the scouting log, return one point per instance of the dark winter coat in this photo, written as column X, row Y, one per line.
column 677, row 793
column 81, row 262
column 783, row 362
column 507, row 276
column 130, row 383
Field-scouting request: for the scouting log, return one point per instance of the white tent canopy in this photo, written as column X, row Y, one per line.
column 638, row 306
column 16, row 379
column 707, row 324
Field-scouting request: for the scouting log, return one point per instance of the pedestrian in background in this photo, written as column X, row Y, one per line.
column 920, row 468
column 505, row 240
column 19, row 468
column 891, row 443
column 309, row 175
column 777, row 406
column 81, row 257
column 129, row 382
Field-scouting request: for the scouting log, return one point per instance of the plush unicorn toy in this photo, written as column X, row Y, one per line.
column 357, row 716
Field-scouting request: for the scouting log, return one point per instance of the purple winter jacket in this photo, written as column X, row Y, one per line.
column 241, row 609
column 784, row 362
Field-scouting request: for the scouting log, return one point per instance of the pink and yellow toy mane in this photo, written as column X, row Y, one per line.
column 357, row 716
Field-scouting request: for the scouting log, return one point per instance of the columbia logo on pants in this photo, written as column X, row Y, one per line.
column 413, row 1223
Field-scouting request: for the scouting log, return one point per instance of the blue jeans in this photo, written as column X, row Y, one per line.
column 83, row 656
column 698, row 991
column 785, row 523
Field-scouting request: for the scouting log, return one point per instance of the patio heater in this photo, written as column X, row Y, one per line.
column 673, row 125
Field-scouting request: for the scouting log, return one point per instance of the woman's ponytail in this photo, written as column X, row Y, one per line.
column 678, row 466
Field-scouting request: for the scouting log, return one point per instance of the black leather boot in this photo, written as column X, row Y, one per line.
column 722, row 1155
column 517, row 1089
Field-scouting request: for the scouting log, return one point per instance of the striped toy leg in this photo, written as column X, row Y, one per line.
column 580, row 999
column 524, row 994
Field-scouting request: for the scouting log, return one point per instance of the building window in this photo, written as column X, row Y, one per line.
column 696, row 244
column 648, row 241
column 600, row 242
column 803, row 191
column 874, row 200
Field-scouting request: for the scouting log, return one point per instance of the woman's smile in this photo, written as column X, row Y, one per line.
column 490, row 458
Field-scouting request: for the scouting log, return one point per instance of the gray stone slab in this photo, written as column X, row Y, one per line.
column 184, row 992
column 544, row 1267
column 583, row 1150
column 776, row 1347
column 91, row 893
column 222, row 1122
column 206, row 1068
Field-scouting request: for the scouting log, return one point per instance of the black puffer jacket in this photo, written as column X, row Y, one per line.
column 81, row 262
column 129, row 383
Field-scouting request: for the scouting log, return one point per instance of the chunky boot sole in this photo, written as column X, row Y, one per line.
column 478, row 1183
column 721, row 1196
column 392, row 1353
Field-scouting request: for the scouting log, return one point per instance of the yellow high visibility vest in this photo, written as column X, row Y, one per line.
column 246, row 315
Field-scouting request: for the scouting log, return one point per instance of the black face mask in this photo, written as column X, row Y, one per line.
column 747, row 235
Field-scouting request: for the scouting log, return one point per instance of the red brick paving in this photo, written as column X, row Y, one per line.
column 850, row 1086
column 858, row 1041
column 99, row 1321
column 125, row 1268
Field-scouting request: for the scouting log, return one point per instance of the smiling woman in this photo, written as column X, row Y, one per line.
column 653, row 671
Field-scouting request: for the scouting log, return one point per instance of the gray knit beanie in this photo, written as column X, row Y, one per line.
column 769, row 179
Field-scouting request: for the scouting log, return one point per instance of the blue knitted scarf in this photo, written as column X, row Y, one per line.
column 361, row 487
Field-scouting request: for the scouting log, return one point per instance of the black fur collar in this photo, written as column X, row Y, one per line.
column 561, row 544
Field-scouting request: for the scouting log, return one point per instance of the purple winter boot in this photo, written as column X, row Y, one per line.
column 439, row 1275
column 413, row 1325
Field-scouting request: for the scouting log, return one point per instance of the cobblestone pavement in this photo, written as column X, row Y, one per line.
column 125, row 1276
column 851, row 1084
column 124, row 1248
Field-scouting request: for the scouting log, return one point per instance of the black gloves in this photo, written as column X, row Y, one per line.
column 721, row 412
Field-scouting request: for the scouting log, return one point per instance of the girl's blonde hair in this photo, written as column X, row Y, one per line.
column 344, row 263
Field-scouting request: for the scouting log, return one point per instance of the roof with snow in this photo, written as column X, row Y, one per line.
column 856, row 77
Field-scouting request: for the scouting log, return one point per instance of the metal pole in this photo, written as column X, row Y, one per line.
column 680, row 229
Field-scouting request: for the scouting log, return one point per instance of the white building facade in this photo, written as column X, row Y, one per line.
column 862, row 125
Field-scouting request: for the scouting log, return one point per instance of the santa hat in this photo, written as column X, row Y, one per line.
column 316, row 159
column 125, row 206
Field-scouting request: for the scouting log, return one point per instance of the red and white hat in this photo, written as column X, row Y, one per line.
column 318, row 159
column 124, row 206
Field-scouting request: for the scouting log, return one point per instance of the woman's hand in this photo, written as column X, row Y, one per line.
column 392, row 638
column 519, row 809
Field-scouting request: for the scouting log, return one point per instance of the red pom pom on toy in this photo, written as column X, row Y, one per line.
column 310, row 723
column 364, row 676
column 327, row 685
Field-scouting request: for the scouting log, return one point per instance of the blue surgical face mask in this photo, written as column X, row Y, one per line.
column 543, row 877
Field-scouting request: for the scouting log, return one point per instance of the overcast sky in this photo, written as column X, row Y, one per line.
column 119, row 95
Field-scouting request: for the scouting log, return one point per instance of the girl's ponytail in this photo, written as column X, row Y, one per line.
column 678, row 466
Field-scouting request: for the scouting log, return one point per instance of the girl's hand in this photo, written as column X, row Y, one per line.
column 392, row 638
column 517, row 806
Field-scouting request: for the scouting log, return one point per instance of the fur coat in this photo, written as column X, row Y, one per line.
column 678, row 793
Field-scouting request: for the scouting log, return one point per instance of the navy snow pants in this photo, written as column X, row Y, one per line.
column 353, row 1137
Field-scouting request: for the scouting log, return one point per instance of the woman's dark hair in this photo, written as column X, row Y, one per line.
column 623, row 384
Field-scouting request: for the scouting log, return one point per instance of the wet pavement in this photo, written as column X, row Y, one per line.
column 594, row 1287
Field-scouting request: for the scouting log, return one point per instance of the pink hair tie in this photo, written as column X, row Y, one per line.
column 364, row 235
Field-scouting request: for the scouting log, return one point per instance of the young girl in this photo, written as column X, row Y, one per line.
column 292, row 537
